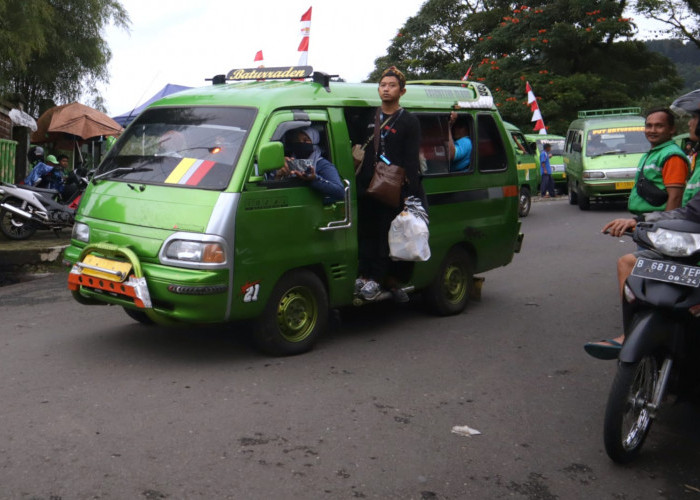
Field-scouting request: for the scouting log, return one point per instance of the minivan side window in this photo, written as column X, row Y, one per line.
column 434, row 148
column 490, row 149
column 434, row 153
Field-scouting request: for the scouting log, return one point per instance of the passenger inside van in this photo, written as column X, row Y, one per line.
column 304, row 160
column 459, row 143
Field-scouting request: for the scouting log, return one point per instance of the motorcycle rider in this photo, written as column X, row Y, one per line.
column 690, row 210
column 47, row 173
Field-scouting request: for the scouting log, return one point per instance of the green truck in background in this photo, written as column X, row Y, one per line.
column 557, row 156
column 529, row 173
column 602, row 150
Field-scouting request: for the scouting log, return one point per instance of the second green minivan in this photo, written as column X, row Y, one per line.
column 602, row 150
column 557, row 158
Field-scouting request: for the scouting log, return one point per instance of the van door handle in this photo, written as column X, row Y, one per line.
column 346, row 222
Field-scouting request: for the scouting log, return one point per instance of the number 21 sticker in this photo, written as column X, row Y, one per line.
column 250, row 291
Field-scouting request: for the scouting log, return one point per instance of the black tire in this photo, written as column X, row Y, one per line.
column 12, row 225
column 524, row 201
column 627, row 419
column 295, row 316
column 584, row 202
column 139, row 316
column 573, row 196
column 449, row 292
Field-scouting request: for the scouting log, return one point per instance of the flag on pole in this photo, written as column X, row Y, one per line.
column 466, row 75
column 534, row 107
column 259, row 59
column 304, row 44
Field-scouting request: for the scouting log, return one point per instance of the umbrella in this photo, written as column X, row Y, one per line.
column 687, row 103
column 75, row 119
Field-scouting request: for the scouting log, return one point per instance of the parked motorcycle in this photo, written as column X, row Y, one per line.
column 25, row 209
column 661, row 319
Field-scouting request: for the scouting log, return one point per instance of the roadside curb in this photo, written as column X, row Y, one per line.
column 40, row 254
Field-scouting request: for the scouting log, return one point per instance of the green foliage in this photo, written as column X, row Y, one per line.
column 576, row 54
column 53, row 50
column 686, row 57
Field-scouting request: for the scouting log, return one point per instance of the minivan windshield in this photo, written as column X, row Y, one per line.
column 557, row 146
column 616, row 140
column 184, row 146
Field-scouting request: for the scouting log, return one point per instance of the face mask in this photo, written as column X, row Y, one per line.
column 301, row 150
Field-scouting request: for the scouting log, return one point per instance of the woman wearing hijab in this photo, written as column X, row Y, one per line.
column 303, row 144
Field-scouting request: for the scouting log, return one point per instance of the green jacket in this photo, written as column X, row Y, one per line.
column 653, row 163
column 692, row 187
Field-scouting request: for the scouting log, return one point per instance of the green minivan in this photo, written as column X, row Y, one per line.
column 557, row 156
column 201, row 234
column 529, row 173
column 602, row 150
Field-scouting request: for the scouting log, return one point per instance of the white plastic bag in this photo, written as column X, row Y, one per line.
column 408, row 234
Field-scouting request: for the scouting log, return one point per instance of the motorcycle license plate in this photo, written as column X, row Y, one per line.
column 99, row 267
column 670, row 272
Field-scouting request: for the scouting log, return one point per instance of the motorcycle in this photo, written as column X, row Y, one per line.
column 661, row 320
column 25, row 209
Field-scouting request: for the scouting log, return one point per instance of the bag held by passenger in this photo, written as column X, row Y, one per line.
column 386, row 183
column 409, row 234
column 387, row 179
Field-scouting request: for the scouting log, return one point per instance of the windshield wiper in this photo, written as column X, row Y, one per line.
column 119, row 170
column 611, row 152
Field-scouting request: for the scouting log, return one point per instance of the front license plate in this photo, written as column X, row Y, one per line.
column 99, row 267
column 624, row 185
column 669, row 272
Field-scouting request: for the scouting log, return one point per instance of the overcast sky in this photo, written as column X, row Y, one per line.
column 184, row 41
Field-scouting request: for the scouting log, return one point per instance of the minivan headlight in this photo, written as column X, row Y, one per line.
column 196, row 251
column 81, row 232
column 593, row 174
column 675, row 243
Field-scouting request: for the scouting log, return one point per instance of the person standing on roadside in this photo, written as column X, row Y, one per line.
column 547, row 184
column 664, row 168
column 399, row 143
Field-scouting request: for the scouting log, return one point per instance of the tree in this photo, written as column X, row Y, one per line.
column 576, row 54
column 54, row 50
column 681, row 16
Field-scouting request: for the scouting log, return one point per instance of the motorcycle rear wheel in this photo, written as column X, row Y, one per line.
column 627, row 416
column 12, row 225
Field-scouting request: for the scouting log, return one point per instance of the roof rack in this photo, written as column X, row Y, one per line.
column 276, row 73
column 635, row 110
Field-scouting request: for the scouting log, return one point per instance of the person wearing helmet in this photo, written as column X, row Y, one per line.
column 46, row 174
column 689, row 210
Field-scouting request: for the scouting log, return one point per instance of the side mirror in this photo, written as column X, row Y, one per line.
column 576, row 147
column 270, row 157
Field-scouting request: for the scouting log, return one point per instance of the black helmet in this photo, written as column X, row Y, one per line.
column 35, row 153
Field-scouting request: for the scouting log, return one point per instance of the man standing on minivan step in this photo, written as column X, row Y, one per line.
column 397, row 135
column 663, row 171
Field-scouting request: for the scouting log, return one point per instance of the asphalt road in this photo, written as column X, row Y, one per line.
column 93, row 405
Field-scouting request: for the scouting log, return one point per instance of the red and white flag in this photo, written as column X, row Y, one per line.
column 466, row 75
column 259, row 60
column 534, row 107
column 304, row 45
